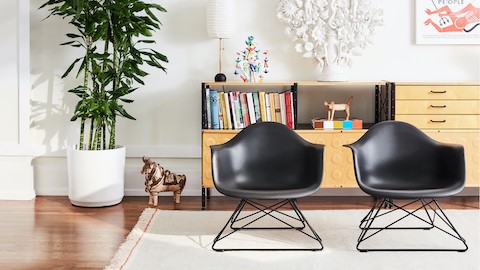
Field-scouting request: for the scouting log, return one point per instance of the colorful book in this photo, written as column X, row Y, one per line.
column 214, row 107
column 251, row 108
column 263, row 108
column 228, row 111
column 256, row 104
column 278, row 113
column 289, row 109
column 272, row 106
column 282, row 108
column 268, row 107
column 222, row 113
column 207, row 105
column 245, row 113
column 238, row 104
column 233, row 106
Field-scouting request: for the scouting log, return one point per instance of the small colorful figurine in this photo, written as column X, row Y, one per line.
column 249, row 66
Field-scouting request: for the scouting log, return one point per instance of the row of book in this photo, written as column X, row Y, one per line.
column 237, row 110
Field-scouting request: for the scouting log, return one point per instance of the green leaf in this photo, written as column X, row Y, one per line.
column 73, row 35
column 70, row 68
column 126, row 100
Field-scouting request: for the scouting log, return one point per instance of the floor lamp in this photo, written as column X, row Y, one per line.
column 221, row 25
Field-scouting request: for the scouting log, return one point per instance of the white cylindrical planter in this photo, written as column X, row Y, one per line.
column 96, row 177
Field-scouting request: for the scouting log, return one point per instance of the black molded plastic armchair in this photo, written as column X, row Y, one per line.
column 267, row 161
column 395, row 160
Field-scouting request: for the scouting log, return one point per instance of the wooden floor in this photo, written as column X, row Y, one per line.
column 50, row 233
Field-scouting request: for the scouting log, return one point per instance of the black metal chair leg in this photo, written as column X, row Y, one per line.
column 267, row 211
column 368, row 231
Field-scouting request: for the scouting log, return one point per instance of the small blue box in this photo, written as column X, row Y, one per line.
column 347, row 124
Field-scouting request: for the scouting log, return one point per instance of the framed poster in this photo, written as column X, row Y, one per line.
column 447, row 21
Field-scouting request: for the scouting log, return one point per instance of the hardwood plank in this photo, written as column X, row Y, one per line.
column 50, row 233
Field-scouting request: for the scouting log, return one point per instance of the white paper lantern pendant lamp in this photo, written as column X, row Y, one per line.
column 221, row 25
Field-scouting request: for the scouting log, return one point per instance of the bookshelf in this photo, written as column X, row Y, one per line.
column 338, row 169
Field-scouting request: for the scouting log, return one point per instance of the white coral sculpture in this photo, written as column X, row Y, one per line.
column 311, row 22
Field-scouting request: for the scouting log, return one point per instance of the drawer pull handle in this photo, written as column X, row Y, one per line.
column 438, row 106
column 438, row 121
column 438, row 92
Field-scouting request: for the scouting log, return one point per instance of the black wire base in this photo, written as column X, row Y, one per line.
column 368, row 230
column 266, row 211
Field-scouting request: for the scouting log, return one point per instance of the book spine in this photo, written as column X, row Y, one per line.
column 233, row 101
column 238, row 106
column 245, row 113
column 289, row 109
column 221, row 110
column 256, row 104
column 282, row 108
column 271, row 96
column 209, row 112
column 214, row 109
column 268, row 107
column 228, row 110
column 263, row 108
column 278, row 113
column 251, row 108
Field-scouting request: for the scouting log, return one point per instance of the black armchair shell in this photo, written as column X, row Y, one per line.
column 268, row 160
column 397, row 160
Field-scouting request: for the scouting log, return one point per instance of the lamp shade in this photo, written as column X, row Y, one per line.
column 220, row 18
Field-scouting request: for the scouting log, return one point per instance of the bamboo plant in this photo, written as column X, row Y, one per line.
column 115, row 36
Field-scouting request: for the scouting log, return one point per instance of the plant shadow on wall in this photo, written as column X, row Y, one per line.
column 49, row 102
column 115, row 38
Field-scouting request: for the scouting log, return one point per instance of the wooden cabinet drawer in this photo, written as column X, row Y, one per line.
column 437, row 106
column 441, row 121
column 437, row 92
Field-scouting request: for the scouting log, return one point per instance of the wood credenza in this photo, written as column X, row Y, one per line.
column 447, row 112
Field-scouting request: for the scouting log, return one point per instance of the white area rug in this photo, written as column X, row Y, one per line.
column 183, row 239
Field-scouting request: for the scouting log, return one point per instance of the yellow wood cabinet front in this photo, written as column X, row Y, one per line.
column 338, row 160
column 447, row 112
column 433, row 92
column 441, row 121
column 432, row 107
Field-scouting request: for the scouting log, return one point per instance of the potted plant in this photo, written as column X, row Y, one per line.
column 114, row 36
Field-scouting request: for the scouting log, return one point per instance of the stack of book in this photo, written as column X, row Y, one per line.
column 318, row 123
column 237, row 110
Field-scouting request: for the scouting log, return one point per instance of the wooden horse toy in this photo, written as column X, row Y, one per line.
column 332, row 107
column 157, row 179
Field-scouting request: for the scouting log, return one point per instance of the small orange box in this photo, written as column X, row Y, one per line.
column 357, row 123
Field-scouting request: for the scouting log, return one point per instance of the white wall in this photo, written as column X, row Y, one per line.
column 16, row 171
column 168, row 106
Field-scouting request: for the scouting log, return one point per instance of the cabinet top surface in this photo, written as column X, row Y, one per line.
column 300, row 83
column 473, row 83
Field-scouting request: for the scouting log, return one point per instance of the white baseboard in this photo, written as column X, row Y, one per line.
column 17, row 195
column 52, row 179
